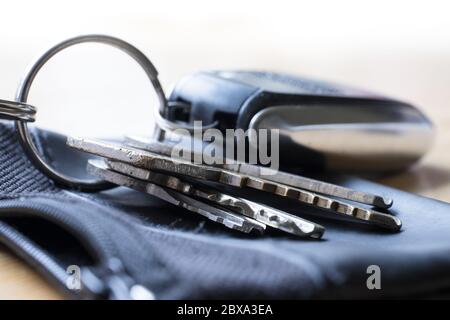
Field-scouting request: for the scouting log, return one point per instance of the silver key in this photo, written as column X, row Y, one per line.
column 276, row 176
column 376, row 218
column 264, row 214
column 151, row 161
column 229, row 219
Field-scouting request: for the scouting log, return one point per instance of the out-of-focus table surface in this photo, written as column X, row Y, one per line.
column 384, row 47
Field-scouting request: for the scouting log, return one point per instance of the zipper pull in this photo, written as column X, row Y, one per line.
column 110, row 281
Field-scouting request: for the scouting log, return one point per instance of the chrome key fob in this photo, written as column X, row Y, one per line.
column 322, row 125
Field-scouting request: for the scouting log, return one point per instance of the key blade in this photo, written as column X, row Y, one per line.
column 224, row 217
column 148, row 160
column 264, row 214
column 275, row 218
column 336, row 206
column 323, row 188
column 228, row 219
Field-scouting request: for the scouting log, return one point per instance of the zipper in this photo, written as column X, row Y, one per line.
column 113, row 282
column 107, row 279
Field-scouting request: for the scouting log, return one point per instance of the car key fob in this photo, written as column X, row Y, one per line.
column 322, row 125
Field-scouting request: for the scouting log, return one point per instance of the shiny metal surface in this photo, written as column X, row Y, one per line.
column 25, row 85
column 222, row 216
column 276, row 176
column 272, row 217
column 350, row 137
column 12, row 110
column 153, row 161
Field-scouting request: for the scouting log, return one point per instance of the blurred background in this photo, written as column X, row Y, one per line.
column 400, row 48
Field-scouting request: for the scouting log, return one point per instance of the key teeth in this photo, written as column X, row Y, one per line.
column 306, row 197
column 283, row 191
column 292, row 194
column 385, row 220
column 334, row 205
column 315, row 200
column 354, row 212
column 384, row 203
column 381, row 220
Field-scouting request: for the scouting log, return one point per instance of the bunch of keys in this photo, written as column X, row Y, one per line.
column 147, row 166
column 320, row 126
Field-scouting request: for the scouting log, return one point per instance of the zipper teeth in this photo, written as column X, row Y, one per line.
column 93, row 238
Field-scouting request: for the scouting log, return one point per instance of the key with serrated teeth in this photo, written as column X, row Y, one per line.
column 379, row 219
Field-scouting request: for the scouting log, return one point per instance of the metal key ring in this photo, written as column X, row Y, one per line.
column 24, row 88
column 12, row 110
